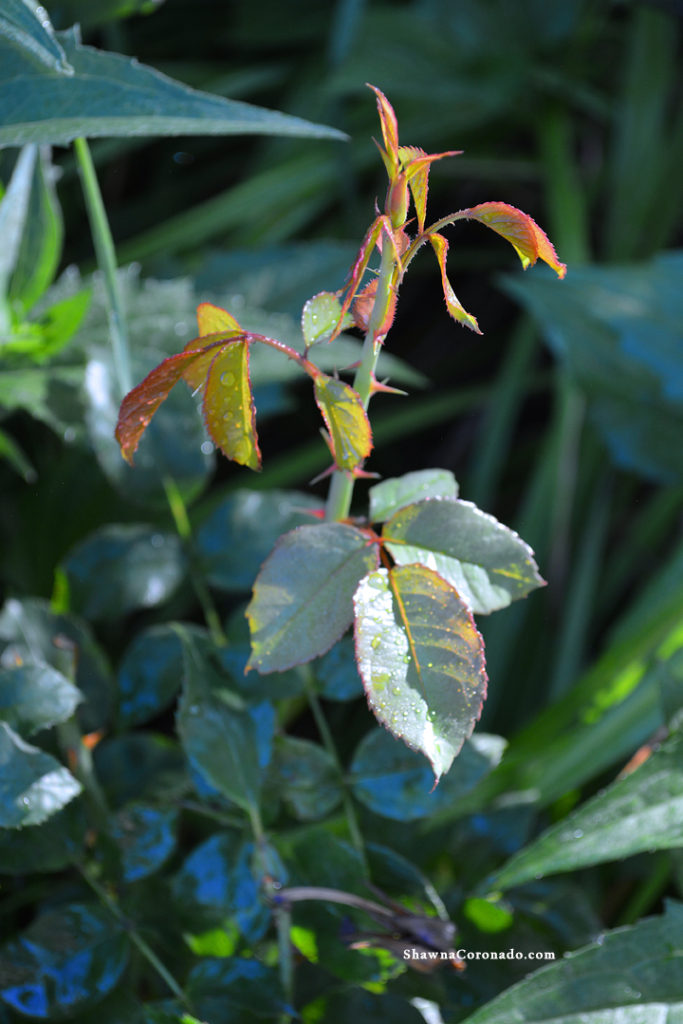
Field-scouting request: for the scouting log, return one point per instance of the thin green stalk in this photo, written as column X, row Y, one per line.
column 106, row 259
column 137, row 939
column 184, row 528
column 341, row 487
column 283, row 921
column 331, row 748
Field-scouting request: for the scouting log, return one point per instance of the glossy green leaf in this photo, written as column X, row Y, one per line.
column 220, row 881
column 149, row 675
column 396, row 782
column 120, row 568
column 33, row 786
column 146, row 838
column 228, row 405
column 113, row 95
column 389, row 496
column 26, row 26
column 320, row 316
column 629, row 976
column 224, row 991
column 302, row 600
column 305, row 778
column 217, row 732
column 27, row 632
column 486, row 562
column 421, row 660
column 641, row 812
column 36, row 696
column 336, row 673
column 346, row 421
column 52, row 331
column 68, row 959
column 239, row 533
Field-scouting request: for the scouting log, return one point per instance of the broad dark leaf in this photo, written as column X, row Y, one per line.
column 120, row 568
column 336, row 673
column 146, row 837
column 641, row 812
column 149, row 675
column 302, row 601
column 629, row 976
column 486, row 562
column 36, row 696
column 236, row 989
column 305, row 778
column 33, row 785
column 421, row 660
column 140, row 766
column 108, row 94
column 52, row 846
column 68, row 959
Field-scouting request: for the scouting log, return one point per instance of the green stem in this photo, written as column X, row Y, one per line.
column 341, row 487
column 137, row 939
column 106, row 259
column 184, row 528
column 331, row 748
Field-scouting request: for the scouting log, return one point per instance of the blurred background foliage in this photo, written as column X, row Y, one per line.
column 565, row 420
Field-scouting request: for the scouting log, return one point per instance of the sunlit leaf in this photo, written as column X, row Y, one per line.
column 486, row 562
column 421, row 660
column 321, row 315
column 389, row 124
column 33, row 785
column 417, row 164
column 346, row 421
column 388, row 496
column 228, row 405
column 36, row 696
column 456, row 310
column 521, row 231
column 302, row 600
column 643, row 811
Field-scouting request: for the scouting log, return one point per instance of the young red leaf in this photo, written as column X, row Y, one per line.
column 350, row 437
column 521, row 231
column 416, row 164
column 228, row 405
column 458, row 312
column 389, row 130
column 214, row 324
column 140, row 404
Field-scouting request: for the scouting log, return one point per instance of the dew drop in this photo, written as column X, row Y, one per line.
column 228, row 379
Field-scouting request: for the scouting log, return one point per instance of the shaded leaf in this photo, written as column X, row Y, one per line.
column 346, row 421
column 52, row 846
column 235, row 989
column 336, row 673
column 33, row 786
column 113, row 95
column 456, row 310
column 220, row 881
column 68, row 959
column 320, row 317
column 486, row 562
column 421, row 660
column 119, row 568
column 149, row 675
column 305, row 778
column 350, row 1007
column 140, row 766
column 36, row 696
column 146, row 837
column 302, row 600
column 630, row 975
column 218, row 733
column 641, row 812
column 396, row 782
column 40, row 250
column 239, row 533
column 388, row 496
column 521, row 231
column 14, row 206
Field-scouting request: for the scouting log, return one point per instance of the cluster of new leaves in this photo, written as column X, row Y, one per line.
column 216, row 364
column 411, row 591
